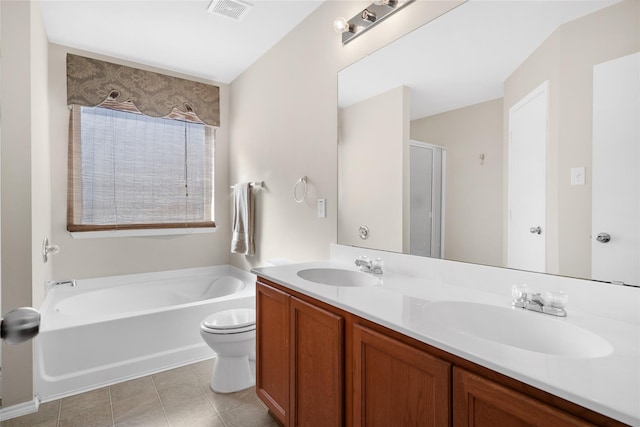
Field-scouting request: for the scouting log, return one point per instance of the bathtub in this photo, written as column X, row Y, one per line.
column 107, row 330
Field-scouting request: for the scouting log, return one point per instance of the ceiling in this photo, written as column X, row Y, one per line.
column 463, row 57
column 176, row 35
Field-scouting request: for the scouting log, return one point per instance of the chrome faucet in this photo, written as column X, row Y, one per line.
column 51, row 283
column 554, row 305
column 367, row 265
column 71, row 282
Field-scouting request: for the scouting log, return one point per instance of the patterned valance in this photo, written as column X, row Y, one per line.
column 90, row 82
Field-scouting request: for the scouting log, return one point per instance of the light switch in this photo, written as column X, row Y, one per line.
column 578, row 176
column 322, row 208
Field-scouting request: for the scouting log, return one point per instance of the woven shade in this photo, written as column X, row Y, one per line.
column 130, row 171
column 91, row 81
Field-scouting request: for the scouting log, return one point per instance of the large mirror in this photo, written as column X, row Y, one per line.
column 503, row 133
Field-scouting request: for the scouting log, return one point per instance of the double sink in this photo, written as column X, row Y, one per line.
column 503, row 325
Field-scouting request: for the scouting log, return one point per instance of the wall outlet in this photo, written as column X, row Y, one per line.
column 322, row 208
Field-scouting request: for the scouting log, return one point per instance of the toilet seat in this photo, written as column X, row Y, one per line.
column 234, row 321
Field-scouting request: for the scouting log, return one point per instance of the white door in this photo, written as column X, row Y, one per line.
column 616, row 179
column 528, row 122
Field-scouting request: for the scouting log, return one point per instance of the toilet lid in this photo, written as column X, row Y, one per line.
column 235, row 319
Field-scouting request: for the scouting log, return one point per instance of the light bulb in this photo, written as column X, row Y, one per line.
column 341, row 25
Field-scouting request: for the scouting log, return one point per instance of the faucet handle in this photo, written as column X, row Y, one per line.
column 557, row 299
column 377, row 265
column 519, row 292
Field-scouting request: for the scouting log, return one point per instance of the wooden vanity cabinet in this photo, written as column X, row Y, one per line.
column 318, row 365
column 479, row 402
column 272, row 350
column 395, row 384
column 299, row 360
column 317, row 371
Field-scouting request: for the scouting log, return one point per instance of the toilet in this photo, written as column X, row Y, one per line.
column 232, row 335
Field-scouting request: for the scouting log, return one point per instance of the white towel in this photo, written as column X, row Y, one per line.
column 242, row 239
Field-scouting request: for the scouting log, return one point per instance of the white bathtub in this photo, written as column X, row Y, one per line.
column 108, row 330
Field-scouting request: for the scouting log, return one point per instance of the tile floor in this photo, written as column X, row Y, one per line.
column 178, row 397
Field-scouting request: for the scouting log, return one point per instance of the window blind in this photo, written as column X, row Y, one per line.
column 131, row 171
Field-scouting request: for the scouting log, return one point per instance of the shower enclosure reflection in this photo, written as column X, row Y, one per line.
column 452, row 83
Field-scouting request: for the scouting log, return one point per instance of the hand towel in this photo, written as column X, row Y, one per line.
column 242, row 239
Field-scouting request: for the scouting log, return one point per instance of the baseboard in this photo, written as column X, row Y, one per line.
column 20, row 409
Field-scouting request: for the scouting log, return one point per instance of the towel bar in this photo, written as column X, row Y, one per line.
column 259, row 184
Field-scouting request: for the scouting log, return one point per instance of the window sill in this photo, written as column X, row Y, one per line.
column 142, row 233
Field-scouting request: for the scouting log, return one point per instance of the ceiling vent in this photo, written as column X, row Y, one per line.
column 231, row 9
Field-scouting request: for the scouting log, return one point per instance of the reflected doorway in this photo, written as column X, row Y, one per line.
column 615, row 234
column 528, row 139
column 426, row 199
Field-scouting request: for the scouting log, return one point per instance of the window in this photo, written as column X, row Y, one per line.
column 130, row 171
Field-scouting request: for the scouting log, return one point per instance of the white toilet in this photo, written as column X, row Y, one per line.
column 232, row 335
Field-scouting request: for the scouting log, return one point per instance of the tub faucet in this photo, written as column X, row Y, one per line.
column 554, row 305
column 71, row 282
column 50, row 284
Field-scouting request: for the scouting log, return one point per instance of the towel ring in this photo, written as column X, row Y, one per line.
column 302, row 180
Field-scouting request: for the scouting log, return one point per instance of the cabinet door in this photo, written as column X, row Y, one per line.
column 395, row 384
column 480, row 402
column 272, row 350
column 317, row 375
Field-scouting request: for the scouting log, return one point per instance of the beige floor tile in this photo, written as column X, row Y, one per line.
column 179, row 397
column 94, row 417
column 204, row 367
column 178, row 376
column 203, row 371
column 49, row 423
column 144, row 406
column 225, row 402
column 47, row 412
column 177, row 394
column 133, row 389
column 84, row 402
column 213, row 421
column 154, row 419
column 249, row 415
column 190, row 412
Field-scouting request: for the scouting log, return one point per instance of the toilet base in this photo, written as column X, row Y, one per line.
column 231, row 374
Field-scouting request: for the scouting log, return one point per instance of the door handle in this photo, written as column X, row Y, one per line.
column 603, row 237
column 20, row 325
column 535, row 230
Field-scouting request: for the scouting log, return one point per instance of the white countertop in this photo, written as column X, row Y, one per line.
column 609, row 385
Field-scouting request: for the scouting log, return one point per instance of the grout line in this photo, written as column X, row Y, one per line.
column 205, row 390
column 113, row 419
column 59, row 412
column 160, row 399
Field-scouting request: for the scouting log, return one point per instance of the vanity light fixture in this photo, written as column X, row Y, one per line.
column 390, row 3
column 374, row 13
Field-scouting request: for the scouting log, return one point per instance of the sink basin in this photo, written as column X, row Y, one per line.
column 337, row 277
column 517, row 328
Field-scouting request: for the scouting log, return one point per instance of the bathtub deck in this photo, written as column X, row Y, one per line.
column 177, row 397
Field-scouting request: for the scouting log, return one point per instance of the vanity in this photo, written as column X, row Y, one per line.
column 432, row 342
